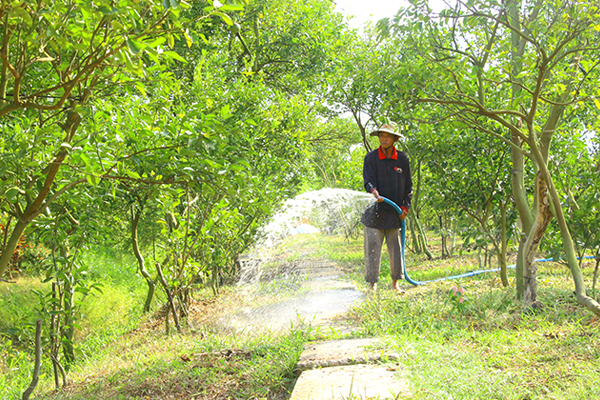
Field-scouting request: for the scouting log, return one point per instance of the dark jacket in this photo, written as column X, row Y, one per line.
column 391, row 177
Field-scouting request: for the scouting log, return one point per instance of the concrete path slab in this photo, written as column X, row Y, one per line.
column 351, row 382
column 343, row 352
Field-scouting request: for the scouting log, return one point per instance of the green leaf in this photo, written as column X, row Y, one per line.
column 173, row 55
column 156, row 42
column 166, row 4
column 105, row 10
column 76, row 46
column 134, row 46
column 92, row 179
column 125, row 57
column 141, row 87
column 136, row 24
column 153, row 55
column 174, row 3
column 21, row 12
column 597, row 103
column 132, row 174
column 11, row 193
column 97, row 287
column 225, row 112
column 243, row 162
column 225, row 18
column 232, row 7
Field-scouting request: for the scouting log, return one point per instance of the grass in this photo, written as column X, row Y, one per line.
column 202, row 365
column 485, row 347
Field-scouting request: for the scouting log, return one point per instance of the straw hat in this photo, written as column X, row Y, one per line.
column 389, row 128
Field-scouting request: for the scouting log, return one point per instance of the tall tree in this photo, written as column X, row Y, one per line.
column 518, row 65
column 57, row 60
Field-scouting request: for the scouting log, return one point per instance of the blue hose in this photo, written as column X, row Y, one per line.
column 465, row 275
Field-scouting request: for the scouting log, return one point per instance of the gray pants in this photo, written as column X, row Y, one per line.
column 373, row 243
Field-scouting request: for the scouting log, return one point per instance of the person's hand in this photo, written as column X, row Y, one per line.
column 377, row 196
column 404, row 213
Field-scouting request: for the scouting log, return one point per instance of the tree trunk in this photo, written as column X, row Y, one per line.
column 517, row 178
column 11, row 245
column 214, row 281
column 38, row 360
column 443, row 238
column 519, row 267
column 68, row 330
column 595, row 279
column 135, row 219
column 503, row 245
column 453, row 245
column 568, row 246
column 423, row 237
column 543, row 216
column 38, row 204
column 547, row 201
column 446, row 236
column 169, row 297
column 413, row 234
column 362, row 128
column 54, row 347
column 413, row 221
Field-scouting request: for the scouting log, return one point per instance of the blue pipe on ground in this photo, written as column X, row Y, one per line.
column 465, row 275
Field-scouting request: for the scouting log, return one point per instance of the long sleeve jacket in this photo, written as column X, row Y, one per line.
column 392, row 179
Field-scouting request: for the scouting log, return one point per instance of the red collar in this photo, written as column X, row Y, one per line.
column 382, row 155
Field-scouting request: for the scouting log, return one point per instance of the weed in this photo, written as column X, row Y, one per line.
column 457, row 299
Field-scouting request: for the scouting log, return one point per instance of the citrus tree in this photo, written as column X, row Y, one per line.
column 59, row 60
column 518, row 66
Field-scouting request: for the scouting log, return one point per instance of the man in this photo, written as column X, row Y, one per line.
column 386, row 172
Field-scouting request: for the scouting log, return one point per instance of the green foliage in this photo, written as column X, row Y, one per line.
column 577, row 183
column 102, row 317
column 18, row 313
column 59, row 61
column 336, row 157
column 13, row 364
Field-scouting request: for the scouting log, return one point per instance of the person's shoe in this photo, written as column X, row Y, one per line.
column 397, row 288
